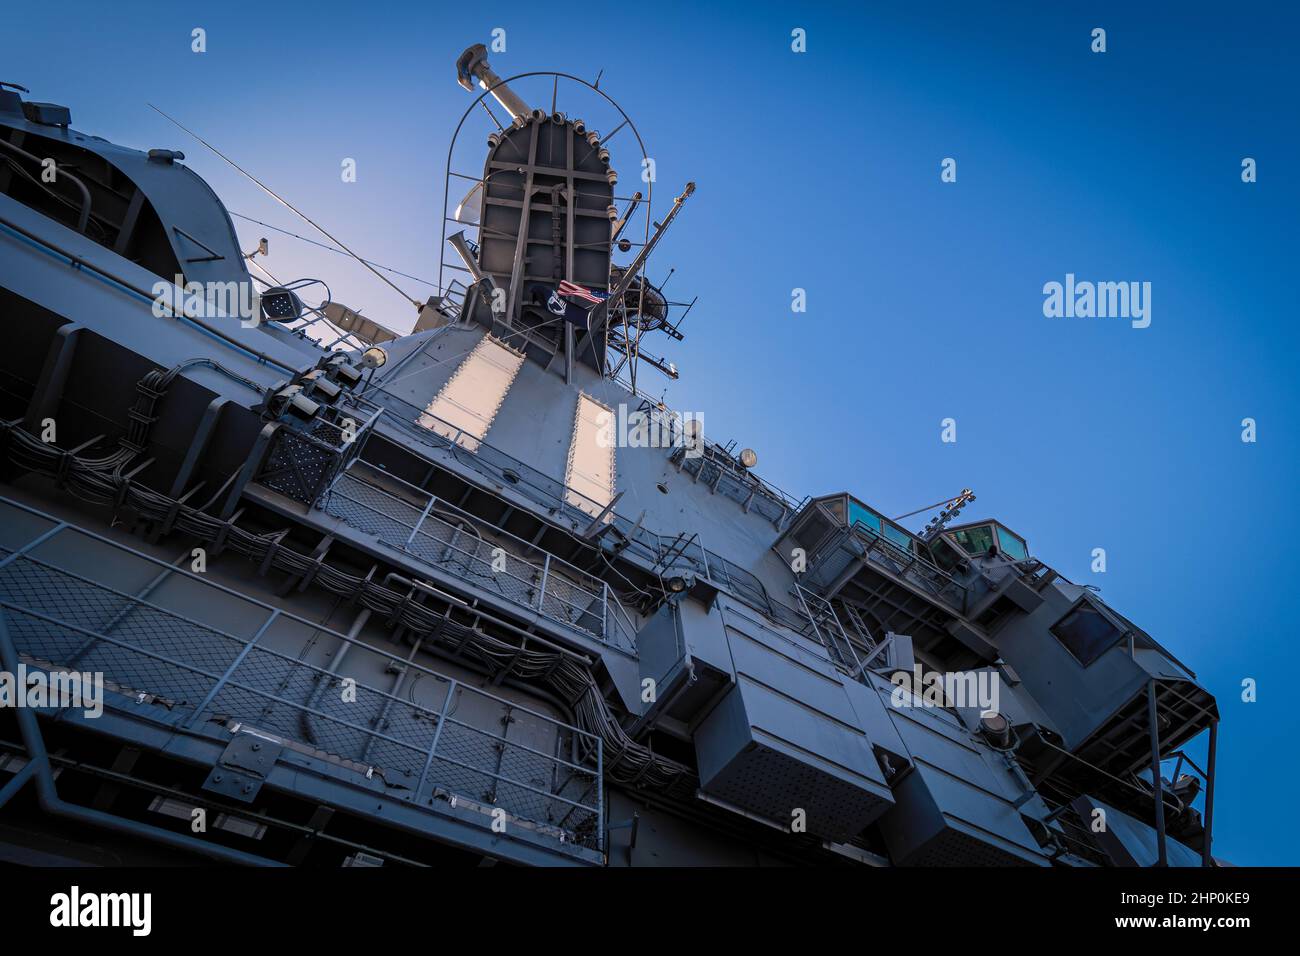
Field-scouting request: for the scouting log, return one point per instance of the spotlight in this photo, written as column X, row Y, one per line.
column 996, row 730
column 373, row 357
column 292, row 401
column 678, row 583
column 342, row 371
column 281, row 305
column 318, row 385
column 749, row 458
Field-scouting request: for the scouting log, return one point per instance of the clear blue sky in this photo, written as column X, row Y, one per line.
column 821, row 171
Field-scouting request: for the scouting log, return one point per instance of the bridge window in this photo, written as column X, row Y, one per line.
column 975, row 541
column 899, row 537
column 1012, row 546
column 942, row 553
column 858, row 512
column 1086, row 632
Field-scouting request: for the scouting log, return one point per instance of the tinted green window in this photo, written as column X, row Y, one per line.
column 868, row 517
column 899, row 537
column 1086, row 633
column 1011, row 546
column 943, row 555
column 975, row 540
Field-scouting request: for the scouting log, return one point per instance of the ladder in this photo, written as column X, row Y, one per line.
column 828, row 630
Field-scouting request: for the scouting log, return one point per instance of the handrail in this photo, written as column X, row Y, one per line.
column 572, row 577
column 234, row 667
column 83, row 218
column 78, row 262
column 908, row 558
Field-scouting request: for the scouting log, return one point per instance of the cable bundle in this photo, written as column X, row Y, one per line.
column 101, row 481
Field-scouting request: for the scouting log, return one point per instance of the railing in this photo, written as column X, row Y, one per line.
column 83, row 212
column 442, row 536
column 672, row 420
column 504, row 469
column 555, row 497
column 302, row 460
column 829, row 632
column 461, row 742
column 912, row 567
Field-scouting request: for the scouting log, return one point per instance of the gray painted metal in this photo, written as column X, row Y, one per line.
column 707, row 716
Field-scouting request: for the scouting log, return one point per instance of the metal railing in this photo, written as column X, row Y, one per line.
column 504, row 469
column 483, row 750
column 672, row 421
column 828, row 631
column 443, row 536
column 911, row 567
column 61, row 171
column 303, row 459
column 556, row 498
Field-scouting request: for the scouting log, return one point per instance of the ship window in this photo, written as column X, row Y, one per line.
column 1086, row 632
column 943, row 554
column 975, row 540
column 1012, row 546
column 864, row 514
column 899, row 537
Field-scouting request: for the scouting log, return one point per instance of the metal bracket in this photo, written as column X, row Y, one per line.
column 243, row 767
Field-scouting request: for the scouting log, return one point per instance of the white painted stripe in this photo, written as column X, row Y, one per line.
column 589, row 476
column 465, row 406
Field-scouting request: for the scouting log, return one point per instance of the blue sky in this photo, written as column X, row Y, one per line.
column 821, row 171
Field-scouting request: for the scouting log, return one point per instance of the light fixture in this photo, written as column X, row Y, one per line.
column 338, row 368
column 281, row 305
column 292, row 401
column 373, row 357
column 996, row 730
column 319, row 385
column 678, row 583
column 748, row 457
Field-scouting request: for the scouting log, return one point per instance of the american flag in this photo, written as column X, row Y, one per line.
column 581, row 292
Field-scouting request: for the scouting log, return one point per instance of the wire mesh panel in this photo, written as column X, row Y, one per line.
column 74, row 623
column 483, row 556
column 298, row 464
column 494, row 753
column 304, row 457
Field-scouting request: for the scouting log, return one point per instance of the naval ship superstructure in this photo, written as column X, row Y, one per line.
column 401, row 599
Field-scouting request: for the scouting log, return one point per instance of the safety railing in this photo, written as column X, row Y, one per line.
column 504, row 469
column 450, row 740
column 827, row 629
column 925, row 575
column 83, row 209
column 443, row 536
column 302, row 459
column 556, row 498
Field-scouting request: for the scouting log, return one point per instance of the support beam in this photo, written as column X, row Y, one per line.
column 54, row 375
column 1156, row 786
column 198, row 444
column 1206, row 858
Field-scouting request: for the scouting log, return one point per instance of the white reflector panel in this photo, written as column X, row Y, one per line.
column 589, row 477
column 464, row 408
